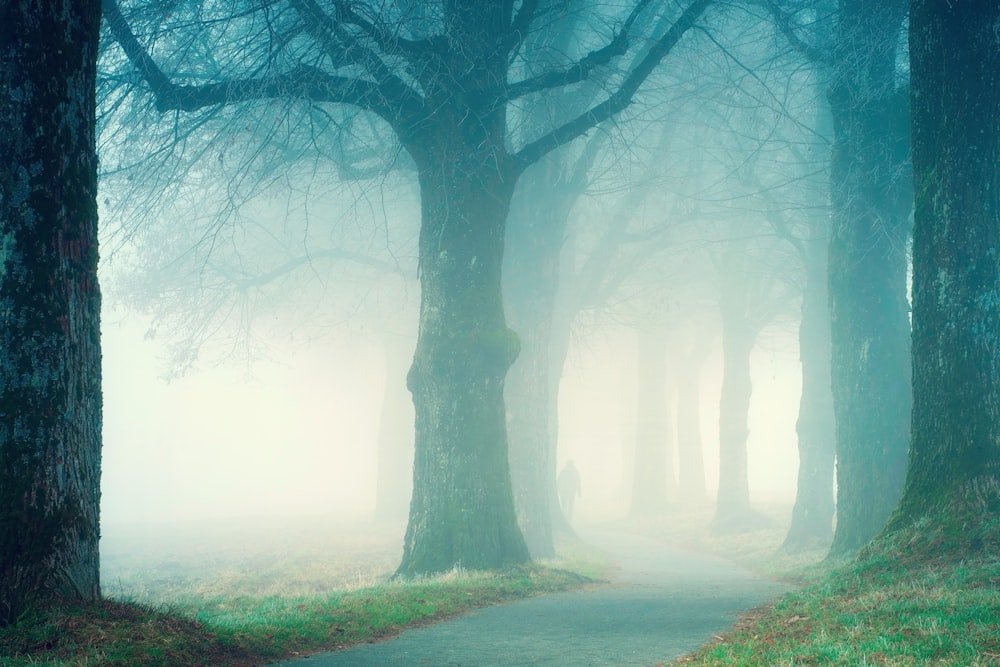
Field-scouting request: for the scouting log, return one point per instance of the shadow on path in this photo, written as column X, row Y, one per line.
column 663, row 603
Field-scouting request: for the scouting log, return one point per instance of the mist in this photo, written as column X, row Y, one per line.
column 288, row 436
column 294, row 433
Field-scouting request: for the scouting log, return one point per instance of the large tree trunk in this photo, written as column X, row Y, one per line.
column 50, row 373
column 812, row 515
column 462, row 510
column 870, row 194
column 952, row 494
column 653, row 477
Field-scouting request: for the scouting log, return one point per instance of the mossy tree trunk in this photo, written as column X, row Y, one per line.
column 952, row 490
column 462, row 510
column 870, row 197
column 50, row 371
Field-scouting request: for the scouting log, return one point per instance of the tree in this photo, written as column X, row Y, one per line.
column 751, row 296
column 870, row 204
column 952, row 493
column 50, row 372
column 868, row 301
column 438, row 76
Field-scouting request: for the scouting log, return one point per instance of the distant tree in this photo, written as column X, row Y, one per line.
column 438, row 75
column 752, row 294
column 50, row 370
column 871, row 194
column 951, row 499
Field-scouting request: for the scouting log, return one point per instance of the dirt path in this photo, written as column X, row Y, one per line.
column 664, row 603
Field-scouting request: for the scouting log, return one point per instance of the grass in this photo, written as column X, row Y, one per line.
column 871, row 611
column 864, row 615
column 228, row 597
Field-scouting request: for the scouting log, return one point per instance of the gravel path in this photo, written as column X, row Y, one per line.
column 664, row 602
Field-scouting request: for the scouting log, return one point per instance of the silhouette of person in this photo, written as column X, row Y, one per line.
column 568, row 485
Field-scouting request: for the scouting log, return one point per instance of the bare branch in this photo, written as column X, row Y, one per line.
column 386, row 39
column 618, row 100
column 390, row 98
column 581, row 70
column 783, row 21
column 297, row 262
column 520, row 24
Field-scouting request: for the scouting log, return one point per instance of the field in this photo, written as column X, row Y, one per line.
column 178, row 564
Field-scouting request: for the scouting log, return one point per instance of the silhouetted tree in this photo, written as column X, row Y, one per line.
column 50, row 370
column 439, row 76
column 952, row 495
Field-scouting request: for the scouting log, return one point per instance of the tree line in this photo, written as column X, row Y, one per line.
column 448, row 80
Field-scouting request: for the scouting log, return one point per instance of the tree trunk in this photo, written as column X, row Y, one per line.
column 952, row 495
column 687, row 393
column 50, row 373
column 531, row 283
column 462, row 510
column 812, row 515
column 653, row 478
column 394, row 477
column 870, row 195
column 733, row 511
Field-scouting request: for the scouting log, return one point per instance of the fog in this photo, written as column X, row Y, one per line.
column 294, row 433
column 256, row 268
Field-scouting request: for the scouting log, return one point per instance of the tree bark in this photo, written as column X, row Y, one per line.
column 653, row 477
column 50, row 373
column 952, row 494
column 870, row 195
column 812, row 515
column 462, row 510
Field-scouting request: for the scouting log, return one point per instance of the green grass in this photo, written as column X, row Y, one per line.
column 233, row 600
column 860, row 615
column 871, row 611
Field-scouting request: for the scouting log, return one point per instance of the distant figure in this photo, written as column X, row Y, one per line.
column 568, row 485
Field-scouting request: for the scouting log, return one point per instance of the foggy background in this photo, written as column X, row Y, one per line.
column 294, row 433
column 261, row 292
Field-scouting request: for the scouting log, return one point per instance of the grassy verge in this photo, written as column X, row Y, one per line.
column 859, row 615
column 871, row 611
column 251, row 631
column 240, row 603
